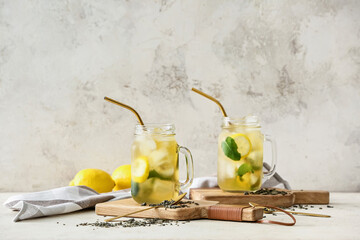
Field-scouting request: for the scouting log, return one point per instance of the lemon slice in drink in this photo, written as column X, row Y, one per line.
column 162, row 163
column 243, row 143
column 140, row 169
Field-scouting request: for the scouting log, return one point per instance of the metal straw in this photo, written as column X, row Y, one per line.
column 212, row 99
column 292, row 212
column 127, row 107
column 177, row 200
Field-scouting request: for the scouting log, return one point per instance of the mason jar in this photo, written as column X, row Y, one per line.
column 240, row 154
column 155, row 164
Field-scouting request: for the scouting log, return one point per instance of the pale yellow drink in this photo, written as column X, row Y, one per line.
column 240, row 155
column 155, row 165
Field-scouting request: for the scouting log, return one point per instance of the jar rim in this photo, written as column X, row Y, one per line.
column 247, row 121
column 155, row 128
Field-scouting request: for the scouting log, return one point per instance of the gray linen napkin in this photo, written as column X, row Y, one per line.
column 275, row 181
column 70, row 199
column 59, row 201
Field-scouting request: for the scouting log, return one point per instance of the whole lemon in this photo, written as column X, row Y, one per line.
column 96, row 179
column 122, row 177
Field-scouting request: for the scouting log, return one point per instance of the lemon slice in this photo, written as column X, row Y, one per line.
column 140, row 169
column 162, row 163
column 243, row 143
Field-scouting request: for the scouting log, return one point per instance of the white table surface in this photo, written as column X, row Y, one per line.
column 343, row 224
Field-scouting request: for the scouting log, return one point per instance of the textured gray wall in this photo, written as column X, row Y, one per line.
column 296, row 64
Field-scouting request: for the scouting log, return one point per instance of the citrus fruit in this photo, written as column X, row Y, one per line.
column 140, row 169
column 161, row 163
column 243, row 143
column 243, row 182
column 122, row 177
column 96, row 179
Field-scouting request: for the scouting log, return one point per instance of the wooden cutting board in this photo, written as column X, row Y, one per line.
column 124, row 206
column 291, row 198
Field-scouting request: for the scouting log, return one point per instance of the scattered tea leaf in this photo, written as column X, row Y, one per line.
column 132, row 223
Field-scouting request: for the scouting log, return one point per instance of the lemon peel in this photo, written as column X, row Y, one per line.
column 140, row 169
column 244, row 144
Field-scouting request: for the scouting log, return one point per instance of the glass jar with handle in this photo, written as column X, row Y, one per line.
column 155, row 164
column 240, row 154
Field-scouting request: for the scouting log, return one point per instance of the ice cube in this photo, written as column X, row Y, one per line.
column 228, row 170
column 146, row 144
column 253, row 179
column 165, row 142
column 157, row 157
column 256, row 139
column 161, row 138
column 255, row 158
column 146, row 188
column 166, row 169
column 161, row 162
column 163, row 189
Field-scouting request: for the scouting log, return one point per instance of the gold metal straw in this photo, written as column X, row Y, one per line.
column 212, row 99
column 125, row 106
column 308, row 214
column 177, row 200
column 292, row 212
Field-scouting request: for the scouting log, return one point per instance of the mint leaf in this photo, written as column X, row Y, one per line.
column 134, row 188
column 229, row 148
column 155, row 174
column 244, row 168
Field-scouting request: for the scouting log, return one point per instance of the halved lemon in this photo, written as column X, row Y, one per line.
column 243, row 143
column 140, row 169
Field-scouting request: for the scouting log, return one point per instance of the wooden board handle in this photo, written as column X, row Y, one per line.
column 311, row 197
column 225, row 213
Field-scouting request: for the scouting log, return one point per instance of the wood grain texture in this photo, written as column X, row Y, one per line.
column 293, row 197
column 124, row 206
column 216, row 194
column 311, row 197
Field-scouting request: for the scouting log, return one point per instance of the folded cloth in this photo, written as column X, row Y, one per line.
column 70, row 199
column 276, row 180
column 59, row 201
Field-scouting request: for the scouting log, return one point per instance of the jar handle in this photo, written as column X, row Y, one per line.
column 272, row 141
column 189, row 168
